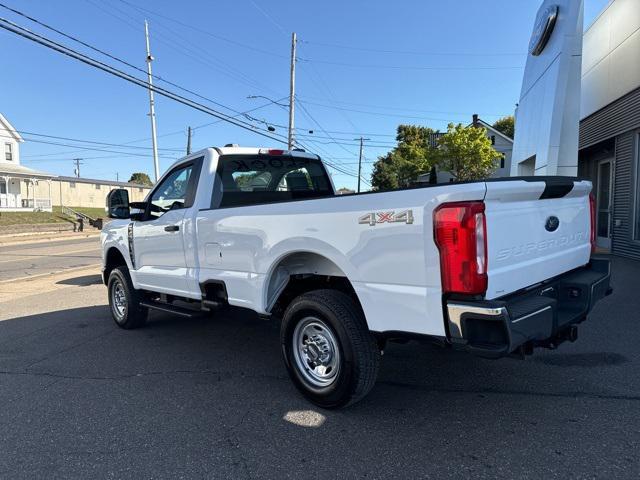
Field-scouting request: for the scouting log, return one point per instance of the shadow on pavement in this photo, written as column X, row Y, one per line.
column 83, row 281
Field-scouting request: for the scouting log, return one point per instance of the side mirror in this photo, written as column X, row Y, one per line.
column 118, row 204
column 141, row 210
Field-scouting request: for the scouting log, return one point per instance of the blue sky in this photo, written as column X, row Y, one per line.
column 364, row 67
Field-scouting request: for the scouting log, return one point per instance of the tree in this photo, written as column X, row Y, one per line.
column 506, row 125
column 466, row 153
column 384, row 176
column 414, row 155
column 141, row 178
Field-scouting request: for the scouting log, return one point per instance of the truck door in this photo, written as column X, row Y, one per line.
column 158, row 240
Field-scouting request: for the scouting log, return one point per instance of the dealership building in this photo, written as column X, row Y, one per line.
column 609, row 138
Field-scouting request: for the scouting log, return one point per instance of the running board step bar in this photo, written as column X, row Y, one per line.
column 168, row 308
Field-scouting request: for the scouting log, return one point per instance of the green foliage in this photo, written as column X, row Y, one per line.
column 506, row 125
column 413, row 156
column 466, row 153
column 140, row 178
column 384, row 176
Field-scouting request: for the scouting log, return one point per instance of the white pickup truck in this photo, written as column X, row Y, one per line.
column 493, row 267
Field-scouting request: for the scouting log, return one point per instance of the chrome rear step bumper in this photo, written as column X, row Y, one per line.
column 544, row 316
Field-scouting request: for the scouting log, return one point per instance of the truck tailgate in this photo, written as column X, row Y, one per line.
column 537, row 228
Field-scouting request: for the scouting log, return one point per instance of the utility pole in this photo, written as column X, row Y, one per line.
column 188, row 140
column 117, row 176
column 152, row 109
column 362, row 140
column 292, row 90
column 77, row 169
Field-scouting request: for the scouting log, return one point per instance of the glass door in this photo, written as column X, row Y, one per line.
column 603, row 205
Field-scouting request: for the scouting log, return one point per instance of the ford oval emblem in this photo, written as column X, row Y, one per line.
column 542, row 30
column 552, row 224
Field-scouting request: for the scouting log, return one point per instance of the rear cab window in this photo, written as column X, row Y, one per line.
column 243, row 180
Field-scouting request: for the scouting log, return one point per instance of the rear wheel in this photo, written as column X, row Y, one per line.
column 124, row 300
column 329, row 352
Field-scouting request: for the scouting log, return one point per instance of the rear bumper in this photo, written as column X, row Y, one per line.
column 542, row 316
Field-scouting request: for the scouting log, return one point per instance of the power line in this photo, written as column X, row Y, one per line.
column 387, row 107
column 208, row 124
column 379, row 114
column 413, row 52
column 113, row 57
column 308, row 114
column 25, row 33
column 66, row 159
column 193, row 50
column 414, row 67
column 46, row 42
column 269, row 17
column 175, row 44
column 205, row 32
column 329, row 92
column 94, row 142
column 93, row 149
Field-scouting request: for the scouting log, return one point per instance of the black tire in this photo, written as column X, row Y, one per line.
column 359, row 356
column 132, row 315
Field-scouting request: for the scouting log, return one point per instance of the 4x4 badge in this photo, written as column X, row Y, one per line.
column 373, row 218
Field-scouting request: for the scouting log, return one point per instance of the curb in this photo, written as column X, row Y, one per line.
column 23, row 238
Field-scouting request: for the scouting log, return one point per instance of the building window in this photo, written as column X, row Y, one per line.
column 72, row 184
column 493, row 139
column 502, row 161
column 140, row 189
column 8, row 151
column 98, row 186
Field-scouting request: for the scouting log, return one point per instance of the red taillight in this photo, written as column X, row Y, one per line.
column 273, row 151
column 461, row 236
column 592, row 208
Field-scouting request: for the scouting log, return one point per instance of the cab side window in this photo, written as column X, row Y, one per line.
column 176, row 191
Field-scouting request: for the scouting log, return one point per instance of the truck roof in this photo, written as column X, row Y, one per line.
column 236, row 150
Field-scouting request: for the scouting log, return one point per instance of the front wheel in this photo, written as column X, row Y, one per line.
column 124, row 300
column 328, row 350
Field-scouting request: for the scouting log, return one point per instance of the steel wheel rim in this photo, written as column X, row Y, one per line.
column 119, row 299
column 316, row 352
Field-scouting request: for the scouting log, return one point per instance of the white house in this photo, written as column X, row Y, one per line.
column 501, row 143
column 21, row 188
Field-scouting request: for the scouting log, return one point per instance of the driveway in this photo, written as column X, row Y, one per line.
column 209, row 397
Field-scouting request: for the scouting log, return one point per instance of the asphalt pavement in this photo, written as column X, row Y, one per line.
column 27, row 259
column 209, row 398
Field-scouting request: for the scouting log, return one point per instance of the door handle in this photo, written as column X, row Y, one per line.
column 171, row 228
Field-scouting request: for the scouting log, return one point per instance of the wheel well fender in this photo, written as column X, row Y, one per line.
column 113, row 258
column 299, row 272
